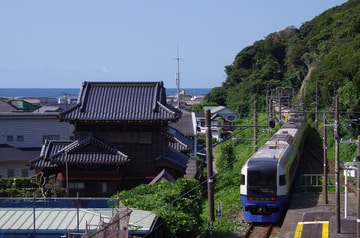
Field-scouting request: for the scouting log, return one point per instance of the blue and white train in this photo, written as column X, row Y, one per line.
column 267, row 176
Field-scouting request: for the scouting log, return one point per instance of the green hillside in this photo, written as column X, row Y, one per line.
column 327, row 50
column 328, row 45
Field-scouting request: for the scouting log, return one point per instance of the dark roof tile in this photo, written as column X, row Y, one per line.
column 177, row 140
column 186, row 124
column 122, row 102
column 85, row 151
column 174, row 157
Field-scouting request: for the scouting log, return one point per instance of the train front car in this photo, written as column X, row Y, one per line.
column 259, row 190
column 267, row 176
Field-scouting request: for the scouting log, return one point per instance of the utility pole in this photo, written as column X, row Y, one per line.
column 280, row 118
column 209, row 162
column 255, row 127
column 337, row 167
column 267, row 102
column 271, row 111
column 316, row 107
column 325, row 164
column 358, row 187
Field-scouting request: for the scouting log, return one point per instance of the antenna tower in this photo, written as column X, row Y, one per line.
column 178, row 79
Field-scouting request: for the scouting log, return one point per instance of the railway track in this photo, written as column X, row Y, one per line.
column 257, row 230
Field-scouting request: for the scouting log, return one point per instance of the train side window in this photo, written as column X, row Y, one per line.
column 282, row 180
column 242, row 179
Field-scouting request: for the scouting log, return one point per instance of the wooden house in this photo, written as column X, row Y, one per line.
column 221, row 121
column 121, row 139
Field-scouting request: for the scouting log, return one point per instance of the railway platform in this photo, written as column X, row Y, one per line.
column 309, row 216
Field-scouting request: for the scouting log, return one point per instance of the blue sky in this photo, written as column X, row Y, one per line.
column 60, row 44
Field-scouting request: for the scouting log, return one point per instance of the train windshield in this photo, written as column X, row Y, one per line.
column 261, row 184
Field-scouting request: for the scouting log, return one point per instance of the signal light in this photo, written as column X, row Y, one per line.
column 271, row 123
column 272, row 199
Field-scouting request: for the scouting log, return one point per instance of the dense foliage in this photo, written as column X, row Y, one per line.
column 30, row 187
column 328, row 46
column 178, row 205
column 16, row 187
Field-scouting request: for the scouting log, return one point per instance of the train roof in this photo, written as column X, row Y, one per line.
column 269, row 154
column 272, row 150
column 283, row 136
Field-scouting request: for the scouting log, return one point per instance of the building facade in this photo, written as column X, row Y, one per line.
column 120, row 139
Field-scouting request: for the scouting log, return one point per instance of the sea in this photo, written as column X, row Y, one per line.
column 58, row 92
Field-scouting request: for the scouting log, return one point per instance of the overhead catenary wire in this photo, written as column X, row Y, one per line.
column 201, row 184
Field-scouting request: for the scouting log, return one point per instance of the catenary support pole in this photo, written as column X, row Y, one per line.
column 325, row 187
column 337, row 172
column 255, row 127
column 209, row 162
column 358, row 188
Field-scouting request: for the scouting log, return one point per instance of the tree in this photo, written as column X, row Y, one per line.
column 217, row 96
column 178, row 204
column 226, row 157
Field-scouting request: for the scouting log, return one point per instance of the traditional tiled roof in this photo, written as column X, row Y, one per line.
column 122, row 102
column 174, row 157
column 40, row 162
column 49, row 148
column 177, row 140
column 187, row 124
column 85, row 151
column 164, row 174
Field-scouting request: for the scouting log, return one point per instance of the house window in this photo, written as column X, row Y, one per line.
column 102, row 187
column 76, row 185
column 10, row 173
column 9, row 138
column 51, row 137
column 24, row 173
column 20, row 138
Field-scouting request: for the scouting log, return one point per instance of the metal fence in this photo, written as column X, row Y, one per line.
column 314, row 182
column 82, row 202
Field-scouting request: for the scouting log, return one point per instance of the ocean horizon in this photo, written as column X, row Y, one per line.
column 57, row 92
